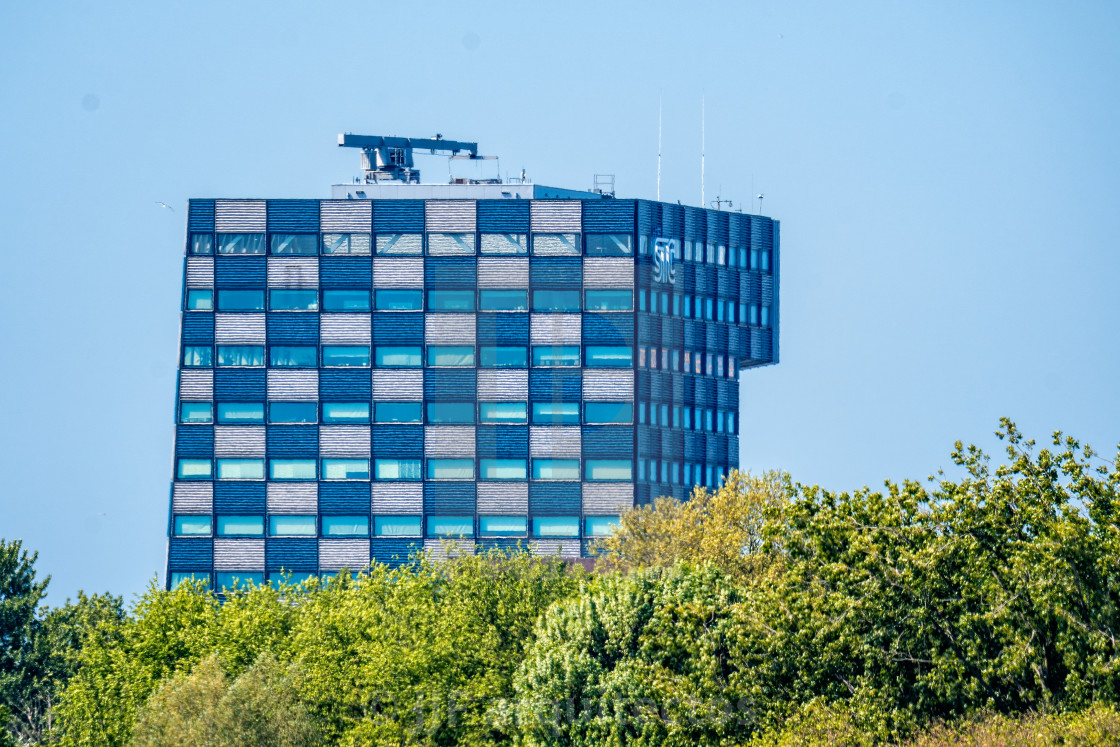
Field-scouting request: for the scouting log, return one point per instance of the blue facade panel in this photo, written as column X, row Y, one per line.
column 503, row 329
column 398, row 329
column 336, row 385
column 396, row 551
column 399, row 441
column 240, row 272
column 554, row 498
column 503, row 441
column 198, row 329
column 556, row 272
column 190, row 554
column 450, row 272
column 449, row 498
column 609, row 216
column 449, row 385
column 239, row 385
column 346, row 272
column 237, row 497
column 293, row 216
column 200, row 216
column 290, row 554
column 503, row 216
column 344, row 498
column 194, row 441
column 292, row 442
column 293, row 329
column 555, row 385
column 398, row 216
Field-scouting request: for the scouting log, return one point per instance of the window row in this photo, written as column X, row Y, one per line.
column 408, row 356
column 694, row 362
column 434, row 244
column 594, row 470
column 682, row 473
column 409, row 299
column 544, row 527
column 687, row 306
column 543, row 413
column 699, row 252
column 708, row 419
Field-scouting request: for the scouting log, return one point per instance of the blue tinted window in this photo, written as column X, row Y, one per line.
column 240, row 355
column 398, row 356
column 293, row 356
column 396, row 469
column 397, row 526
column 609, row 300
column 502, row 356
column 346, row 412
column 599, row 526
column 504, row 243
column 450, row 469
column 451, row 412
column 397, row 412
column 240, row 469
column 239, row 579
column 555, row 300
column 448, row 355
column 198, row 356
column 450, row 526
column 393, row 299
column 555, row 469
column 502, row 469
column 556, row 355
column 555, row 526
column 608, row 412
column 200, row 300
column 240, row 526
column 346, row 243
column 195, row 412
column 187, row 526
column 451, row 300
column 345, row 300
column 179, row 577
column 240, row 412
column 501, row 526
column 241, row 243
column 556, row 413
column 614, row 356
column 240, row 300
column 608, row 244
column 345, row 355
column 293, row 300
column 294, row 243
column 501, row 412
column 503, row 300
column 193, row 469
column 291, row 526
column 608, row 469
column 292, row 469
column 292, row 412
column 345, row 469
column 556, row 244
column 202, row 243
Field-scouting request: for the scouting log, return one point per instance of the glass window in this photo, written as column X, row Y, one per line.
column 765, row 317
column 450, row 243
column 556, row 244
column 399, row 299
column 616, row 356
column 503, row 300
column 552, row 299
column 200, row 300
column 504, row 243
column 346, row 243
column 293, row 300
column 240, row 469
column 501, row 526
column 450, row 526
column 346, row 412
column 708, row 309
column 196, row 412
column 240, row 526
column 502, row 412
column 193, row 469
column 345, row 469
column 198, row 356
column 451, row 412
column 555, row 526
column 241, row 243
column 188, row 526
column 239, row 579
column 450, row 469
column 294, row 243
column 292, row 412
column 345, row 355
column 555, row 413
column 400, row 243
column 240, row 300
column 719, row 310
column 502, row 469
column 609, row 300
column 451, row 355
column 241, row 355
column 179, row 577
column 345, row 300
column 396, row 469
column 397, row 526
column 608, row 244
column 398, row 356
column 202, row 243
column 556, row 355
column 600, row 526
column 608, row 469
column 764, row 260
column 451, row 300
column 236, row 413
column 555, row 469
column 291, row 469
column 283, row 356
column 397, row 412
column 608, row 412
column 502, row 356
column 291, row 526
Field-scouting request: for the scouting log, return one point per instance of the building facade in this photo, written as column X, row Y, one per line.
column 364, row 376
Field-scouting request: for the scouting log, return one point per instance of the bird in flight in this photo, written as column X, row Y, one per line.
column 164, row 204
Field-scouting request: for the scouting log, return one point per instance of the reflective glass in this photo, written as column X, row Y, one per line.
column 609, row 244
column 196, row 412
column 291, row 526
column 599, row 526
column 240, row 412
column 240, row 526
column 608, row 469
column 451, row 300
column 555, row 526
column 240, row 355
column 397, row 299
column 193, row 469
column 240, row 469
column 198, row 356
column 178, row 578
column 398, row 356
column 502, row 469
column 241, row 243
column 609, row 300
column 555, row 469
column 187, row 526
column 450, row 243
column 450, row 526
column 556, row 413
column 240, row 300
column 281, row 356
column 200, row 300
column 503, row 300
column 400, row 243
column 501, row 526
column 615, row 356
column 346, row 243
column 397, row 526
column 294, row 243
column 504, row 243
column 608, row 412
column 551, row 299
column 397, row 412
column 293, row 300
column 447, row 355
column 239, row 579
column 451, row 412
column 396, row 469
column 501, row 412
column 501, row 356
column 291, row 469
column 345, row 469
column 346, row 412
column 345, row 300
column 556, row 355
column 450, row 469
column 556, row 244
column 345, row 355
column 292, row 412
column 202, row 243
column 345, row 526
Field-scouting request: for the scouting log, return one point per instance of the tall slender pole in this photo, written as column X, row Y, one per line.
column 702, row 203
column 659, row 146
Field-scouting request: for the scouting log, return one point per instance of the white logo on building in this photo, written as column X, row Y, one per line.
column 666, row 252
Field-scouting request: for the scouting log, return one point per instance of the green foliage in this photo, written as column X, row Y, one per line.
column 20, row 595
column 1099, row 725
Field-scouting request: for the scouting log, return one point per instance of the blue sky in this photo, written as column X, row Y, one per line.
column 945, row 173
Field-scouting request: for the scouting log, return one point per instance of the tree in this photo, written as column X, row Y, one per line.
column 20, row 595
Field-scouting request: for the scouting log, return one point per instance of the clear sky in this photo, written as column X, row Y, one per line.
column 945, row 174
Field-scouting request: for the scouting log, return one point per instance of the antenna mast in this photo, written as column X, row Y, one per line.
column 702, row 203
column 659, row 146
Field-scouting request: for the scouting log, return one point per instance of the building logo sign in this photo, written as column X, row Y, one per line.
column 666, row 252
